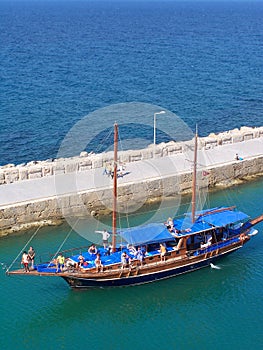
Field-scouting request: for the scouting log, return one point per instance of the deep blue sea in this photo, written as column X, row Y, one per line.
column 62, row 60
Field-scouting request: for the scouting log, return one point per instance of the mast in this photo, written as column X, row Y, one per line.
column 114, row 217
column 194, row 177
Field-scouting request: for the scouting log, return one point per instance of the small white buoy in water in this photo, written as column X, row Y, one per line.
column 214, row 266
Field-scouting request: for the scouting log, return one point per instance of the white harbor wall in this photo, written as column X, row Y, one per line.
column 11, row 173
column 45, row 199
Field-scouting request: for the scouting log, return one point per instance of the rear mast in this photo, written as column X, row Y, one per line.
column 114, row 216
column 194, row 177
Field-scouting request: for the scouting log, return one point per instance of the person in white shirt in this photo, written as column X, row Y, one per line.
column 105, row 237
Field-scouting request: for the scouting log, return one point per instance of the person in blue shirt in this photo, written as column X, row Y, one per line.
column 125, row 260
column 140, row 255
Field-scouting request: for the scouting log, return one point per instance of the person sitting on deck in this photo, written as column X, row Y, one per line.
column 176, row 232
column 208, row 242
column 98, row 263
column 170, row 224
column 70, row 264
column 92, row 250
column 163, row 251
column 109, row 250
column 81, row 261
column 132, row 249
column 125, row 260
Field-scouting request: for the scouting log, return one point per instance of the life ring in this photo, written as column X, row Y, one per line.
column 242, row 237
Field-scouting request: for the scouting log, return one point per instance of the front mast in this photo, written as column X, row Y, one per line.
column 114, row 217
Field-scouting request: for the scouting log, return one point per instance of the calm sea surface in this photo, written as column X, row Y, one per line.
column 61, row 60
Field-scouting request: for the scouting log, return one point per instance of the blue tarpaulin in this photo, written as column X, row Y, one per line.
column 215, row 217
column 185, row 226
column 150, row 233
column 224, row 218
column 206, row 219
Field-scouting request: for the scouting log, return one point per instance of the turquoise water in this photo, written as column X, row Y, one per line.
column 212, row 308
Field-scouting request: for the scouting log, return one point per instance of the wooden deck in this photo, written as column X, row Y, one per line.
column 174, row 259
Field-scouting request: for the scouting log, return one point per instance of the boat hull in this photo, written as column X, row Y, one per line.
column 78, row 282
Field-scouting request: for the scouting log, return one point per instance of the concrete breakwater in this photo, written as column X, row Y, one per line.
column 10, row 173
column 46, row 192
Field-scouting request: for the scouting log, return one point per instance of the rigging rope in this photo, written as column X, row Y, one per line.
column 59, row 249
column 127, row 217
column 119, row 219
column 30, row 239
column 103, row 141
column 120, row 139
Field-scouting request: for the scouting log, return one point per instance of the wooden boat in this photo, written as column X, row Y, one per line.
column 192, row 242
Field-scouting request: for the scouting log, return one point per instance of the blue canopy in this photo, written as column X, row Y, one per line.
column 147, row 234
column 224, row 217
column 186, row 227
column 207, row 219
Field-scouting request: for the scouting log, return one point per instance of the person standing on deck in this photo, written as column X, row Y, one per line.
column 140, row 255
column 163, row 251
column 105, row 237
column 31, row 255
column 25, row 261
column 60, row 263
